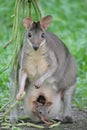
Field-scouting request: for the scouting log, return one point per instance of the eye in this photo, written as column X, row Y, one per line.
column 43, row 35
column 40, row 112
column 29, row 34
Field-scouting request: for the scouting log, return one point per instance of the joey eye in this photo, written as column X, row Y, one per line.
column 29, row 34
column 43, row 35
column 40, row 112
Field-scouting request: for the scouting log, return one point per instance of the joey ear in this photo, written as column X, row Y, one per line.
column 35, row 104
column 45, row 22
column 48, row 104
column 27, row 22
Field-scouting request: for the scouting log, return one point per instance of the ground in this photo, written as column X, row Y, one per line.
column 80, row 123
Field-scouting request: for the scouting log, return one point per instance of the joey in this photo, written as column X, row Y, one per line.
column 41, row 111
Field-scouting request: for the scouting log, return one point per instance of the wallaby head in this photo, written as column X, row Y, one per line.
column 36, row 31
column 41, row 110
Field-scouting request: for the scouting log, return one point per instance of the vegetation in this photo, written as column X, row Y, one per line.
column 69, row 24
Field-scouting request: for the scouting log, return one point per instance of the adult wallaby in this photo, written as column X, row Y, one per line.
column 45, row 57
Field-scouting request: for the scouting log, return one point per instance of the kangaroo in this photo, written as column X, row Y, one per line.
column 45, row 58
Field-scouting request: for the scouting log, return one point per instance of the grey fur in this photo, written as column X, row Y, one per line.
column 62, row 68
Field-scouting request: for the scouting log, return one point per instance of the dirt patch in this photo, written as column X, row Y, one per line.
column 80, row 118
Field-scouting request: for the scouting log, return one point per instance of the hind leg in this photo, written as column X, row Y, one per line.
column 67, row 117
column 13, row 113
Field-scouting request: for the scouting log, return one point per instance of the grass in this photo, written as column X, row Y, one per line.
column 69, row 24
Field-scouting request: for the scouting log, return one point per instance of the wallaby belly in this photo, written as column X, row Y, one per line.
column 35, row 63
column 50, row 95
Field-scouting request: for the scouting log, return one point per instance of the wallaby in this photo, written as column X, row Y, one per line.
column 42, row 103
column 41, row 111
column 44, row 57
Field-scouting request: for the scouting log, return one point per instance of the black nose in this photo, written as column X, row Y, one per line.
column 35, row 48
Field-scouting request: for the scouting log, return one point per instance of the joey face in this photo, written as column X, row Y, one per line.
column 42, row 110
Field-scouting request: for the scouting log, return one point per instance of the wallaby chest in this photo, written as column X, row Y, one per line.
column 36, row 63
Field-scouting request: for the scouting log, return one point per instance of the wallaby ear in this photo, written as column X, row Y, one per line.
column 45, row 22
column 48, row 104
column 27, row 22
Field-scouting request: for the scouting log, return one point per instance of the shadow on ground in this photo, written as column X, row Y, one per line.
column 80, row 123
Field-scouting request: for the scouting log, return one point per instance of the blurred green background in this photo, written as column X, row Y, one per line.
column 69, row 24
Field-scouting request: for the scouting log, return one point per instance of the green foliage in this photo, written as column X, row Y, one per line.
column 69, row 24
column 15, row 128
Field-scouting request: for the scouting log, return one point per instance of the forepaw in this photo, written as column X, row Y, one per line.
column 67, row 119
column 38, row 84
column 18, row 97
